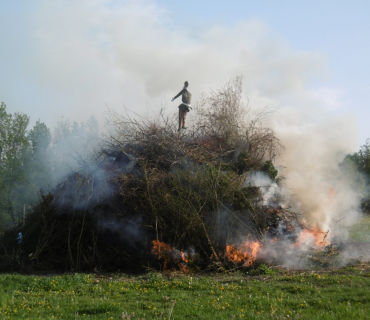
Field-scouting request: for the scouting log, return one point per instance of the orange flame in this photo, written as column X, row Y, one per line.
column 246, row 252
column 183, row 268
column 184, row 256
column 170, row 254
column 274, row 241
column 161, row 249
column 315, row 237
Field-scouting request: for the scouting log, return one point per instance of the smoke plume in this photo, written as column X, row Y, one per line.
column 81, row 56
column 320, row 190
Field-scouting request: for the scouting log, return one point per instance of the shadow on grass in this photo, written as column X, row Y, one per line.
column 96, row 311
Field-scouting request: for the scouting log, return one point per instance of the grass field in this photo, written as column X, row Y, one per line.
column 361, row 230
column 266, row 294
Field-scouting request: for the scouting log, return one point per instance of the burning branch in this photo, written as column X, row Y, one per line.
column 245, row 252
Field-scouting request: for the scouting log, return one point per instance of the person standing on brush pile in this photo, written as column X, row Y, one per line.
column 185, row 106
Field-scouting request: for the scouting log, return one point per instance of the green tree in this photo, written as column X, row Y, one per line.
column 33, row 159
column 38, row 173
column 359, row 164
column 362, row 158
column 40, row 137
column 14, row 160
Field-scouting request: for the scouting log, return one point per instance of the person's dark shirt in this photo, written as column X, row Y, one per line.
column 186, row 96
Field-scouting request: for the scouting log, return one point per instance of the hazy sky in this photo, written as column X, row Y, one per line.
column 77, row 58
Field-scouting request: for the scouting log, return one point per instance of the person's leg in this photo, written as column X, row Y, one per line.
column 180, row 119
column 183, row 119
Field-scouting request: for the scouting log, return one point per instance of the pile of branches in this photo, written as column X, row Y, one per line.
column 150, row 182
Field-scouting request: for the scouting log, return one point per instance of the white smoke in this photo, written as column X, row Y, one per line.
column 80, row 56
column 271, row 191
column 321, row 191
column 314, row 184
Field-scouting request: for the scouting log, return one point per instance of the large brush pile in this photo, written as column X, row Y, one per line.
column 150, row 190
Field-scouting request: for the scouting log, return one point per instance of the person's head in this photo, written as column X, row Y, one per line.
column 186, row 84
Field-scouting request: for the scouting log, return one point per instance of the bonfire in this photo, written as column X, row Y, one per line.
column 154, row 198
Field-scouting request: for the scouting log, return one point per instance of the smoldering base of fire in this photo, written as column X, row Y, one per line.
column 155, row 198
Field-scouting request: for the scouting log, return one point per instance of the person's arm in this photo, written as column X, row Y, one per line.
column 178, row 95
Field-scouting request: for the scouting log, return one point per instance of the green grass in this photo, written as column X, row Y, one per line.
column 361, row 230
column 266, row 294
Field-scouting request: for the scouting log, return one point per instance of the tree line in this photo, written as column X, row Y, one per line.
column 35, row 160
column 359, row 162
